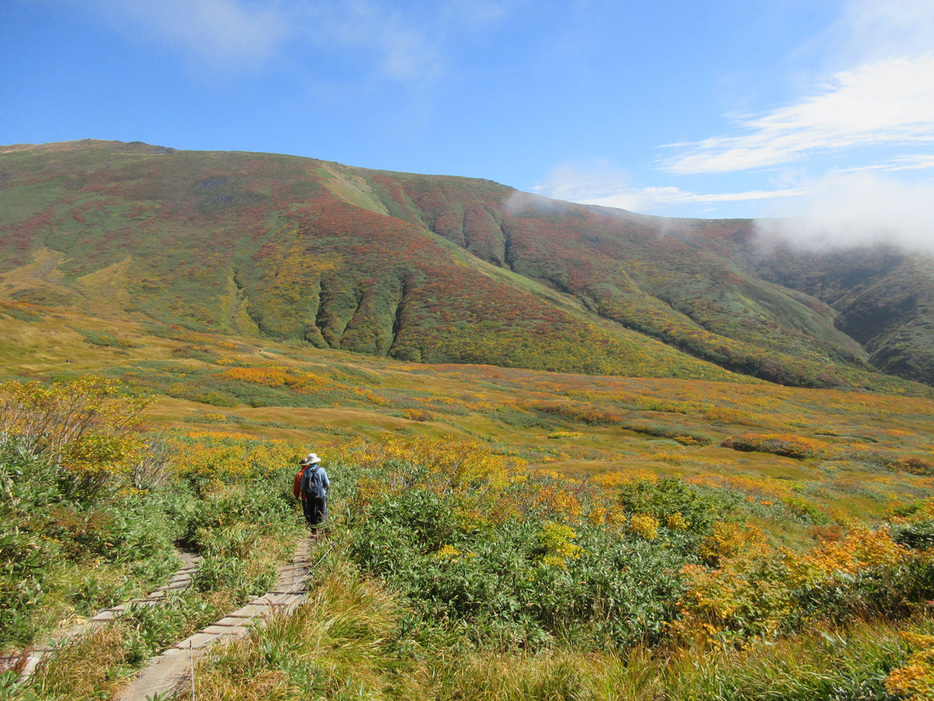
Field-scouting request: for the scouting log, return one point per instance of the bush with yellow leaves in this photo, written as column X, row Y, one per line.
column 88, row 428
column 914, row 681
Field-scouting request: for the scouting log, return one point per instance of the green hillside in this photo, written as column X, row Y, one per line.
column 418, row 268
column 884, row 298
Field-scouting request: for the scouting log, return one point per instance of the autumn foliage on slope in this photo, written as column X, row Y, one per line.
column 429, row 268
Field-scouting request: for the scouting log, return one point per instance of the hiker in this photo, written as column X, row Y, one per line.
column 313, row 485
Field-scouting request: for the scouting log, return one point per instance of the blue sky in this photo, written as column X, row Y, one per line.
column 714, row 109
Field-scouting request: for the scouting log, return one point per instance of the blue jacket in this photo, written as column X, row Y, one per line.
column 311, row 473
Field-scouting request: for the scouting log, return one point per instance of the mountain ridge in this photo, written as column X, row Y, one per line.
column 433, row 269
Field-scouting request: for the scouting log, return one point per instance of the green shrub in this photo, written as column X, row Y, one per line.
column 521, row 581
column 106, row 339
column 676, row 433
column 56, row 552
column 789, row 445
column 203, row 353
column 700, row 507
column 918, row 535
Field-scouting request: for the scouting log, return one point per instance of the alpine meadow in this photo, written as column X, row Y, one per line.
column 575, row 452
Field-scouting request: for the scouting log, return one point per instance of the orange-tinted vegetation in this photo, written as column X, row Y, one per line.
column 667, row 445
column 422, row 268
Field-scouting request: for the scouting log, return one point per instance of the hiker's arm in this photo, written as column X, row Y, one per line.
column 297, row 486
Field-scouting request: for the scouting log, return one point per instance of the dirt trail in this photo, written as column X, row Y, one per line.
column 170, row 672
column 180, row 580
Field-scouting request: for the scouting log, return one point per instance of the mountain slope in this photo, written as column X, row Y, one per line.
column 247, row 242
column 630, row 269
column 430, row 268
column 884, row 298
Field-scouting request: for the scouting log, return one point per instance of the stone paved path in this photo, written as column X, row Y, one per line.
column 180, row 580
column 170, row 673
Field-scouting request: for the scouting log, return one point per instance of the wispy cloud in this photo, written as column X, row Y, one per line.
column 917, row 161
column 602, row 184
column 474, row 14
column 397, row 41
column 880, row 94
column 409, row 44
column 889, row 101
column 875, row 108
column 886, row 101
column 221, row 33
column 402, row 46
column 872, row 30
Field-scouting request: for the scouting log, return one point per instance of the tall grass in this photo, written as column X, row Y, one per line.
column 350, row 641
column 823, row 665
column 340, row 644
column 388, row 635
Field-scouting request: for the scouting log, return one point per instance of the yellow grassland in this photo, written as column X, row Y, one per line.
column 43, row 273
column 351, row 188
column 865, row 448
column 106, row 286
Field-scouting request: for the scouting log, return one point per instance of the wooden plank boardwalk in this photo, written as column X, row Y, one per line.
column 180, row 580
column 170, row 673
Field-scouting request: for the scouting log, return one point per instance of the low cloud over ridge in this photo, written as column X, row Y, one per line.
column 604, row 185
column 844, row 210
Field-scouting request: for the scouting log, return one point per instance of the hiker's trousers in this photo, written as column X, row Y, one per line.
column 315, row 510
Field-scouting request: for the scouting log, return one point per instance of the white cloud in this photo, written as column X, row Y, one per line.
column 397, row 40
column 405, row 49
column 877, row 111
column 886, row 100
column 917, row 161
column 407, row 57
column 854, row 209
column 875, row 29
column 476, row 14
column 881, row 93
column 889, row 101
column 222, row 33
column 410, row 45
column 602, row 184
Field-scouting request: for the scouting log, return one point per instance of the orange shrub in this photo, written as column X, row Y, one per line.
column 559, row 502
column 858, row 550
column 731, row 416
column 219, row 456
column 88, row 427
column 743, row 595
column 914, row 680
column 616, row 478
column 417, row 415
column 732, row 541
column 789, row 445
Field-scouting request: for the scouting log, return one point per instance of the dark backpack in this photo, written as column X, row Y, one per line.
column 313, row 486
